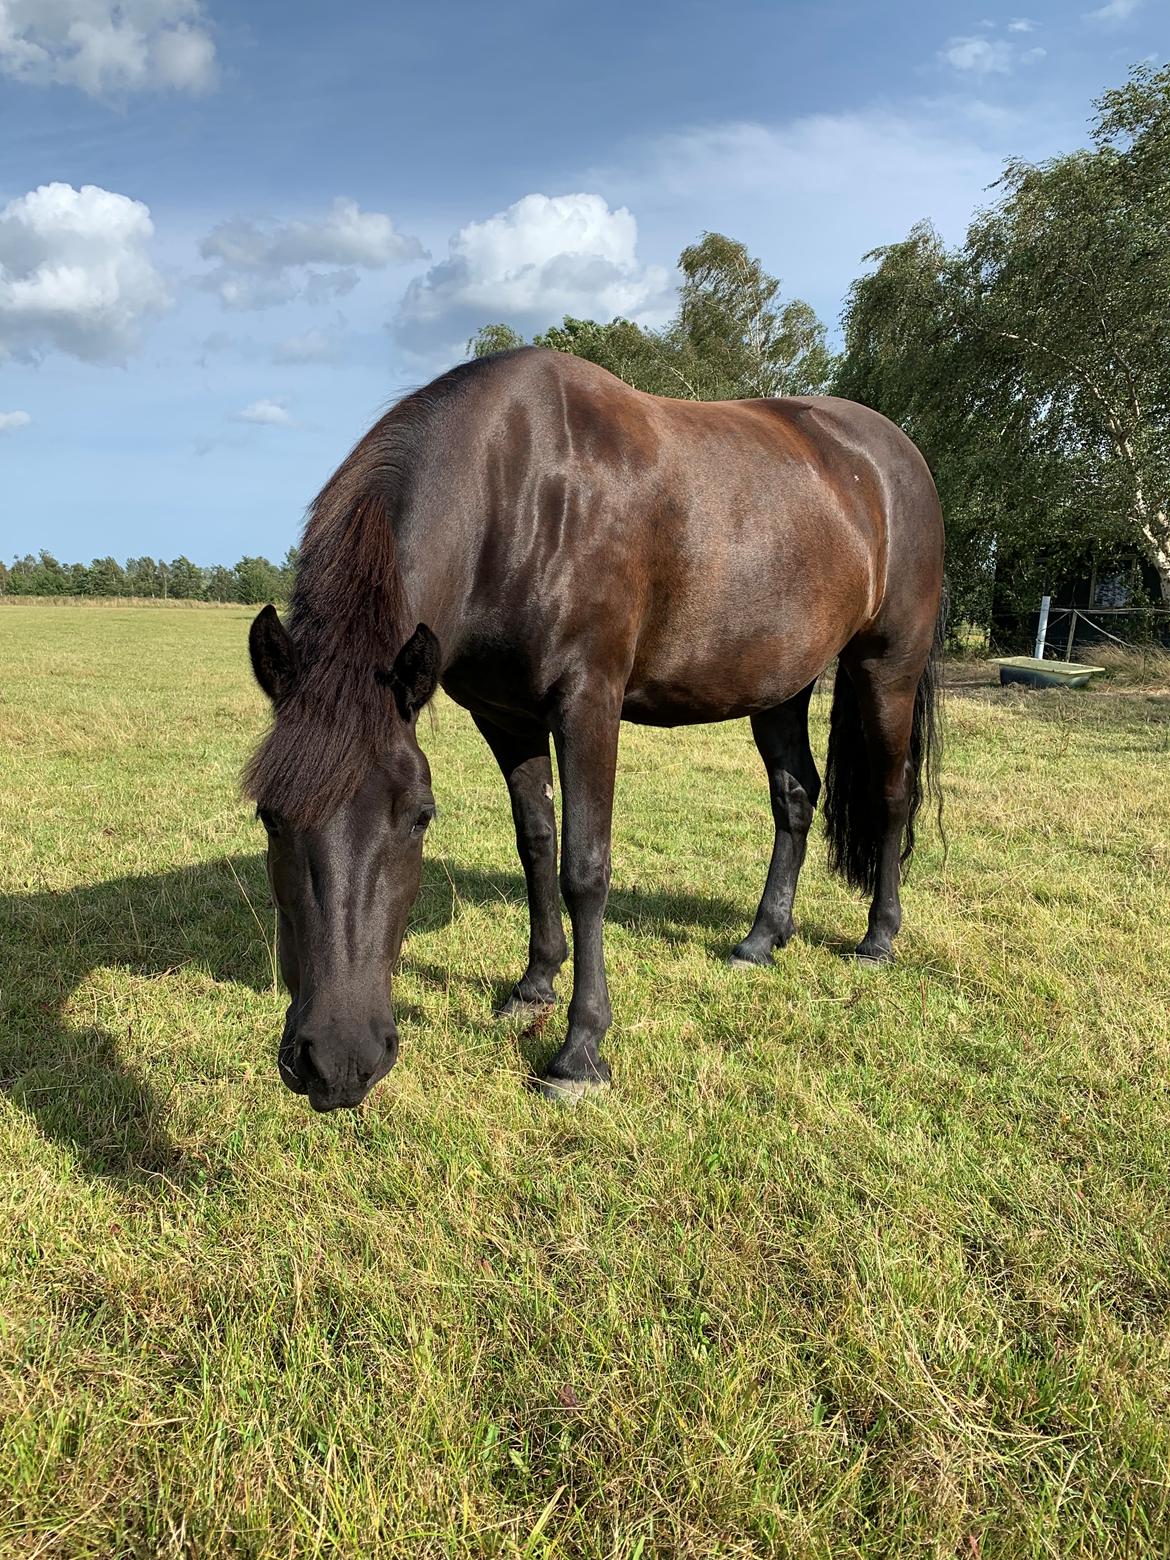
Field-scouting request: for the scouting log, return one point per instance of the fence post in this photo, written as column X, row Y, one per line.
column 1072, row 634
column 1042, row 627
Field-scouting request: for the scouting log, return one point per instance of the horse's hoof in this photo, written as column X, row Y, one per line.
column 530, row 1008
column 869, row 961
column 570, row 1091
column 741, row 959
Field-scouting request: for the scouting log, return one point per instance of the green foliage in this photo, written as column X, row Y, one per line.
column 257, row 580
column 220, row 584
column 731, row 338
column 184, row 579
column 905, row 353
column 39, row 576
column 106, row 577
column 1032, row 364
column 643, row 358
column 252, row 580
column 494, row 338
column 143, row 577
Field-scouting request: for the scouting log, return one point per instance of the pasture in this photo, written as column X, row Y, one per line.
column 848, row 1263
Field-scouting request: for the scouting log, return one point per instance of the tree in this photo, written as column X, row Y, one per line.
column 288, row 572
column 494, row 338
column 142, row 577
column 256, row 580
column 1070, row 290
column 220, row 584
column 731, row 336
column 905, row 353
column 41, row 576
column 1032, row 364
column 106, row 578
column 184, row 579
column 643, row 358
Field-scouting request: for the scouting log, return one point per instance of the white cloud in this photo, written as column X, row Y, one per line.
column 266, row 414
column 10, row 421
column 529, row 265
column 318, row 345
column 261, row 263
column 108, row 47
column 1114, row 11
column 812, row 195
column 75, row 273
column 991, row 56
column 314, row 346
column 984, row 56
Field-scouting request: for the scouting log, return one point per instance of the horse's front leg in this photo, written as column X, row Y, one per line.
column 586, row 736
column 524, row 762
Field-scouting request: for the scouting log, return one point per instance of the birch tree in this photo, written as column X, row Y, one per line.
column 1069, row 305
column 1032, row 365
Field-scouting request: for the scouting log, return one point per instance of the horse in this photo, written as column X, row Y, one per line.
column 561, row 552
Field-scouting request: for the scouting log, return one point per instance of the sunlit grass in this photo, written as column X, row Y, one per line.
column 847, row 1264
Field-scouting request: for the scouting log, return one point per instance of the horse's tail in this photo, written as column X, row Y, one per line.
column 852, row 811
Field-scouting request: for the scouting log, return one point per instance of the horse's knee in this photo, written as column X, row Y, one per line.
column 538, row 832
column 585, row 878
column 794, row 802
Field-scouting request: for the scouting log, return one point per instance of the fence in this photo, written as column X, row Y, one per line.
column 1086, row 615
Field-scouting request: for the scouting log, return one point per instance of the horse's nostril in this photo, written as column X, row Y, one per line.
column 340, row 1068
column 309, row 1067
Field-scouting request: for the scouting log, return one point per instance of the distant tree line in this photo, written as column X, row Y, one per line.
column 1031, row 364
column 251, row 580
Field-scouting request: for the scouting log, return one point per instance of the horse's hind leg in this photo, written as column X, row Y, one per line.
column 782, row 737
column 523, row 758
column 885, row 691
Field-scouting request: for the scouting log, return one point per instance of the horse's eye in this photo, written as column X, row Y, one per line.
column 422, row 820
column 268, row 819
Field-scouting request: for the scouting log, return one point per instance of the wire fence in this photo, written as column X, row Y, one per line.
column 1087, row 616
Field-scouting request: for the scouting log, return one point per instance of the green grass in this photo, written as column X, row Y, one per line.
column 848, row 1263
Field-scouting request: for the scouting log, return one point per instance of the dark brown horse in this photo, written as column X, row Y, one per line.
column 562, row 553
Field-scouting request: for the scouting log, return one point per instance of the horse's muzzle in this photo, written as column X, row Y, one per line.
column 335, row 1072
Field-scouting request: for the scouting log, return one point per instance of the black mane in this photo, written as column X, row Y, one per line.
column 349, row 616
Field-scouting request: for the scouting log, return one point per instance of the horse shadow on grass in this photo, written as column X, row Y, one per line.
column 73, row 1080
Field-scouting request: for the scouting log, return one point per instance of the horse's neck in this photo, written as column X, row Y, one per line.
column 436, row 568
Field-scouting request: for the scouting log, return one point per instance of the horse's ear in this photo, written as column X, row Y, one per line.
column 415, row 674
column 274, row 655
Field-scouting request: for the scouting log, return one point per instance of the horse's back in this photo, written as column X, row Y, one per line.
column 719, row 553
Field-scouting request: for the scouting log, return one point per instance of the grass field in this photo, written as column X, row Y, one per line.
column 848, row 1263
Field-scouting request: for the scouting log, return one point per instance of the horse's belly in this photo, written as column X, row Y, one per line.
column 743, row 677
column 749, row 612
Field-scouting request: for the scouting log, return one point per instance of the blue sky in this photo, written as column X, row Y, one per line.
column 231, row 234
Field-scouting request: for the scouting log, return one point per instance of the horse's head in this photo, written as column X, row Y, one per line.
column 344, row 793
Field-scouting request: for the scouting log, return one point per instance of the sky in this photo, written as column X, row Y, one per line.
column 232, row 234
